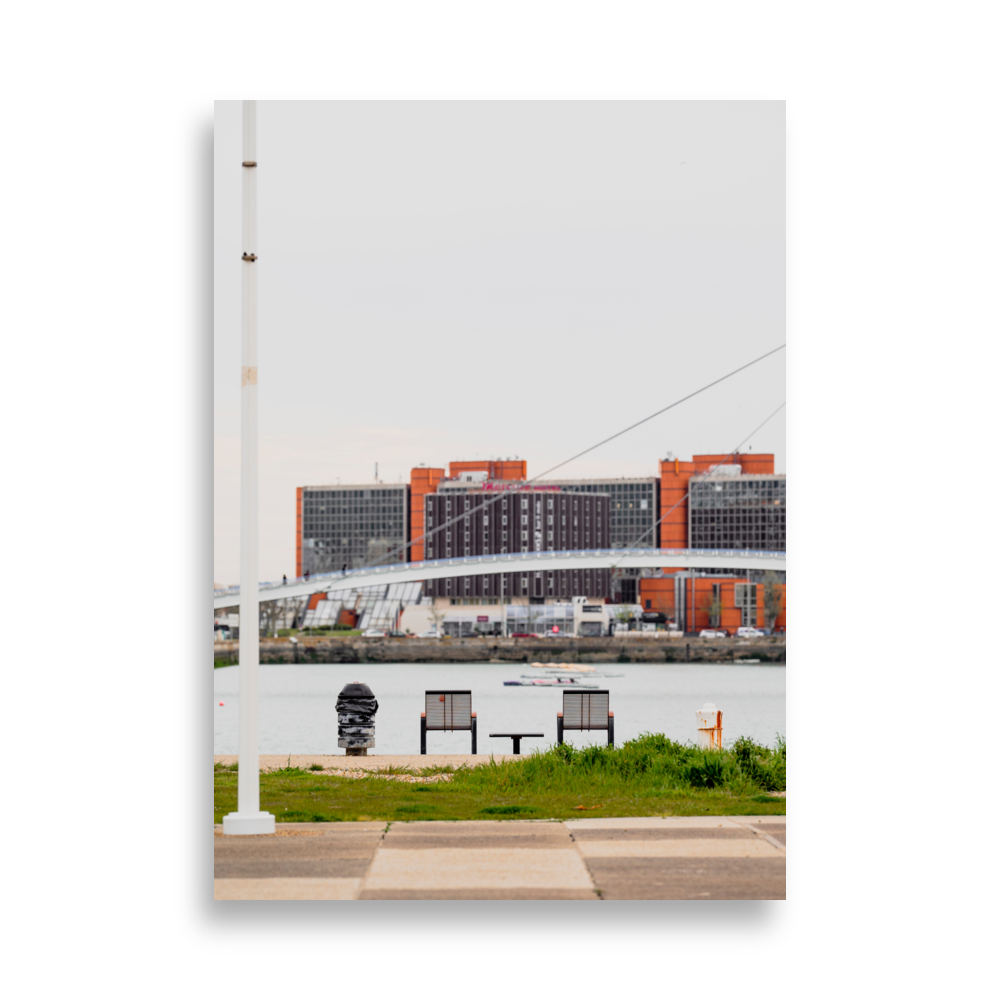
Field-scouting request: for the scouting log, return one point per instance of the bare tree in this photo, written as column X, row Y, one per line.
column 624, row 616
column 712, row 606
column 774, row 598
column 437, row 614
column 281, row 613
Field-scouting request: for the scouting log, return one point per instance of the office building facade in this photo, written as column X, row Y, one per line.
column 632, row 508
column 352, row 526
column 737, row 512
column 491, row 521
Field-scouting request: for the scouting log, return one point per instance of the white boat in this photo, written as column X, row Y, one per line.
column 584, row 668
column 549, row 682
column 560, row 673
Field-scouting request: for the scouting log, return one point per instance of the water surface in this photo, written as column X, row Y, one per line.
column 298, row 704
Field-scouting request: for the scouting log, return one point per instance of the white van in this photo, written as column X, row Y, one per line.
column 748, row 632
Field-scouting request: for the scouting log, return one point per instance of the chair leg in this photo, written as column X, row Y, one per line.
column 423, row 734
column 473, row 735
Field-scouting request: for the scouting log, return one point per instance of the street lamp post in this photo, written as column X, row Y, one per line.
column 248, row 819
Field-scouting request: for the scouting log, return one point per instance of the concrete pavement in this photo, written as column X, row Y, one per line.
column 678, row 857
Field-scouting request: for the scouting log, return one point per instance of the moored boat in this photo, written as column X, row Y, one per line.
column 549, row 682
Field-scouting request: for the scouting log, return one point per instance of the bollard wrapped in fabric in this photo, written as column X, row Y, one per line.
column 356, row 708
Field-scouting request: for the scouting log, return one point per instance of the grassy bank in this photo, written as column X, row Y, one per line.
column 649, row 776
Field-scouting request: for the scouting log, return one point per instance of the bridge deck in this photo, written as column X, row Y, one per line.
column 740, row 560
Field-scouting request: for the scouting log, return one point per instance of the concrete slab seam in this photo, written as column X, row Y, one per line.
column 760, row 833
column 599, row 893
column 371, row 861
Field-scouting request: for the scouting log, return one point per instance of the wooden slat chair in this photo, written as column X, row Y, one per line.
column 448, row 711
column 586, row 710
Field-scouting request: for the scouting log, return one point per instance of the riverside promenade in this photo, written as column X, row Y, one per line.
column 679, row 857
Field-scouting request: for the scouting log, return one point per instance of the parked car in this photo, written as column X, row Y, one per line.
column 373, row 633
column 396, row 634
column 748, row 632
column 712, row 633
column 525, row 635
column 432, row 634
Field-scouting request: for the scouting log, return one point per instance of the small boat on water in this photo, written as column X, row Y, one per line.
column 590, row 677
column 549, row 682
column 746, row 661
column 584, row 668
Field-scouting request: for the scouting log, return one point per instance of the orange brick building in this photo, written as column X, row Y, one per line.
column 693, row 597
column 422, row 482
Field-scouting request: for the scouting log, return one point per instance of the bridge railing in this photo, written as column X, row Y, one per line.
column 389, row 569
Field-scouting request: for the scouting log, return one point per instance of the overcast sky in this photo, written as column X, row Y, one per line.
column 460, row 280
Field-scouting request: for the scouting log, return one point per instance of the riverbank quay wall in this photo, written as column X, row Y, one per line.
column 569, row 650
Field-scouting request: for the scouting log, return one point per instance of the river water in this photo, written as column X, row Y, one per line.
column 297, row 704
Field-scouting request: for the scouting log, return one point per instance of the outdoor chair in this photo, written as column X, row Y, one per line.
column 585, row 710
column 447, row 711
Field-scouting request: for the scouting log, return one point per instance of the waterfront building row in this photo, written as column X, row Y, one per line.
column 713, row 501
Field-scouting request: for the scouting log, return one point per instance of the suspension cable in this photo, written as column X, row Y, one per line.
column 527, row 485
column 732, row 454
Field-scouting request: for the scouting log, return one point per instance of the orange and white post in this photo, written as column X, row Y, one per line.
column 709, row 727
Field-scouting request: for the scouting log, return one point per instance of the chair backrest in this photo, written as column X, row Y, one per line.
column 448, row 709
column 585, row 709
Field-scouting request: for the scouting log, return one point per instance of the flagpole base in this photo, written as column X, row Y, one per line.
column 247, row 824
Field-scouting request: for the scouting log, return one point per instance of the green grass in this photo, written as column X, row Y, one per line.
column 648, row 776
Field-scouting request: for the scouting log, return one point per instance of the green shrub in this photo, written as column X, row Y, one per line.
column 761, row 765
column 709, row 772
column 649, row 761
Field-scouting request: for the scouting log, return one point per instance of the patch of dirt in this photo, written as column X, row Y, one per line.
column 284, row 833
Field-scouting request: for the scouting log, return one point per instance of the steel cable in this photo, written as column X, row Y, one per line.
column 527, row 485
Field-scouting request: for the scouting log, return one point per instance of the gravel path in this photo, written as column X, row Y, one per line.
column 355, row 767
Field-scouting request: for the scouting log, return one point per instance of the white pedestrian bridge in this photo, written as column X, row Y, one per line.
column 740, row 560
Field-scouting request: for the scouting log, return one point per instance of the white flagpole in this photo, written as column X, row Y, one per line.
column 248, row 819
